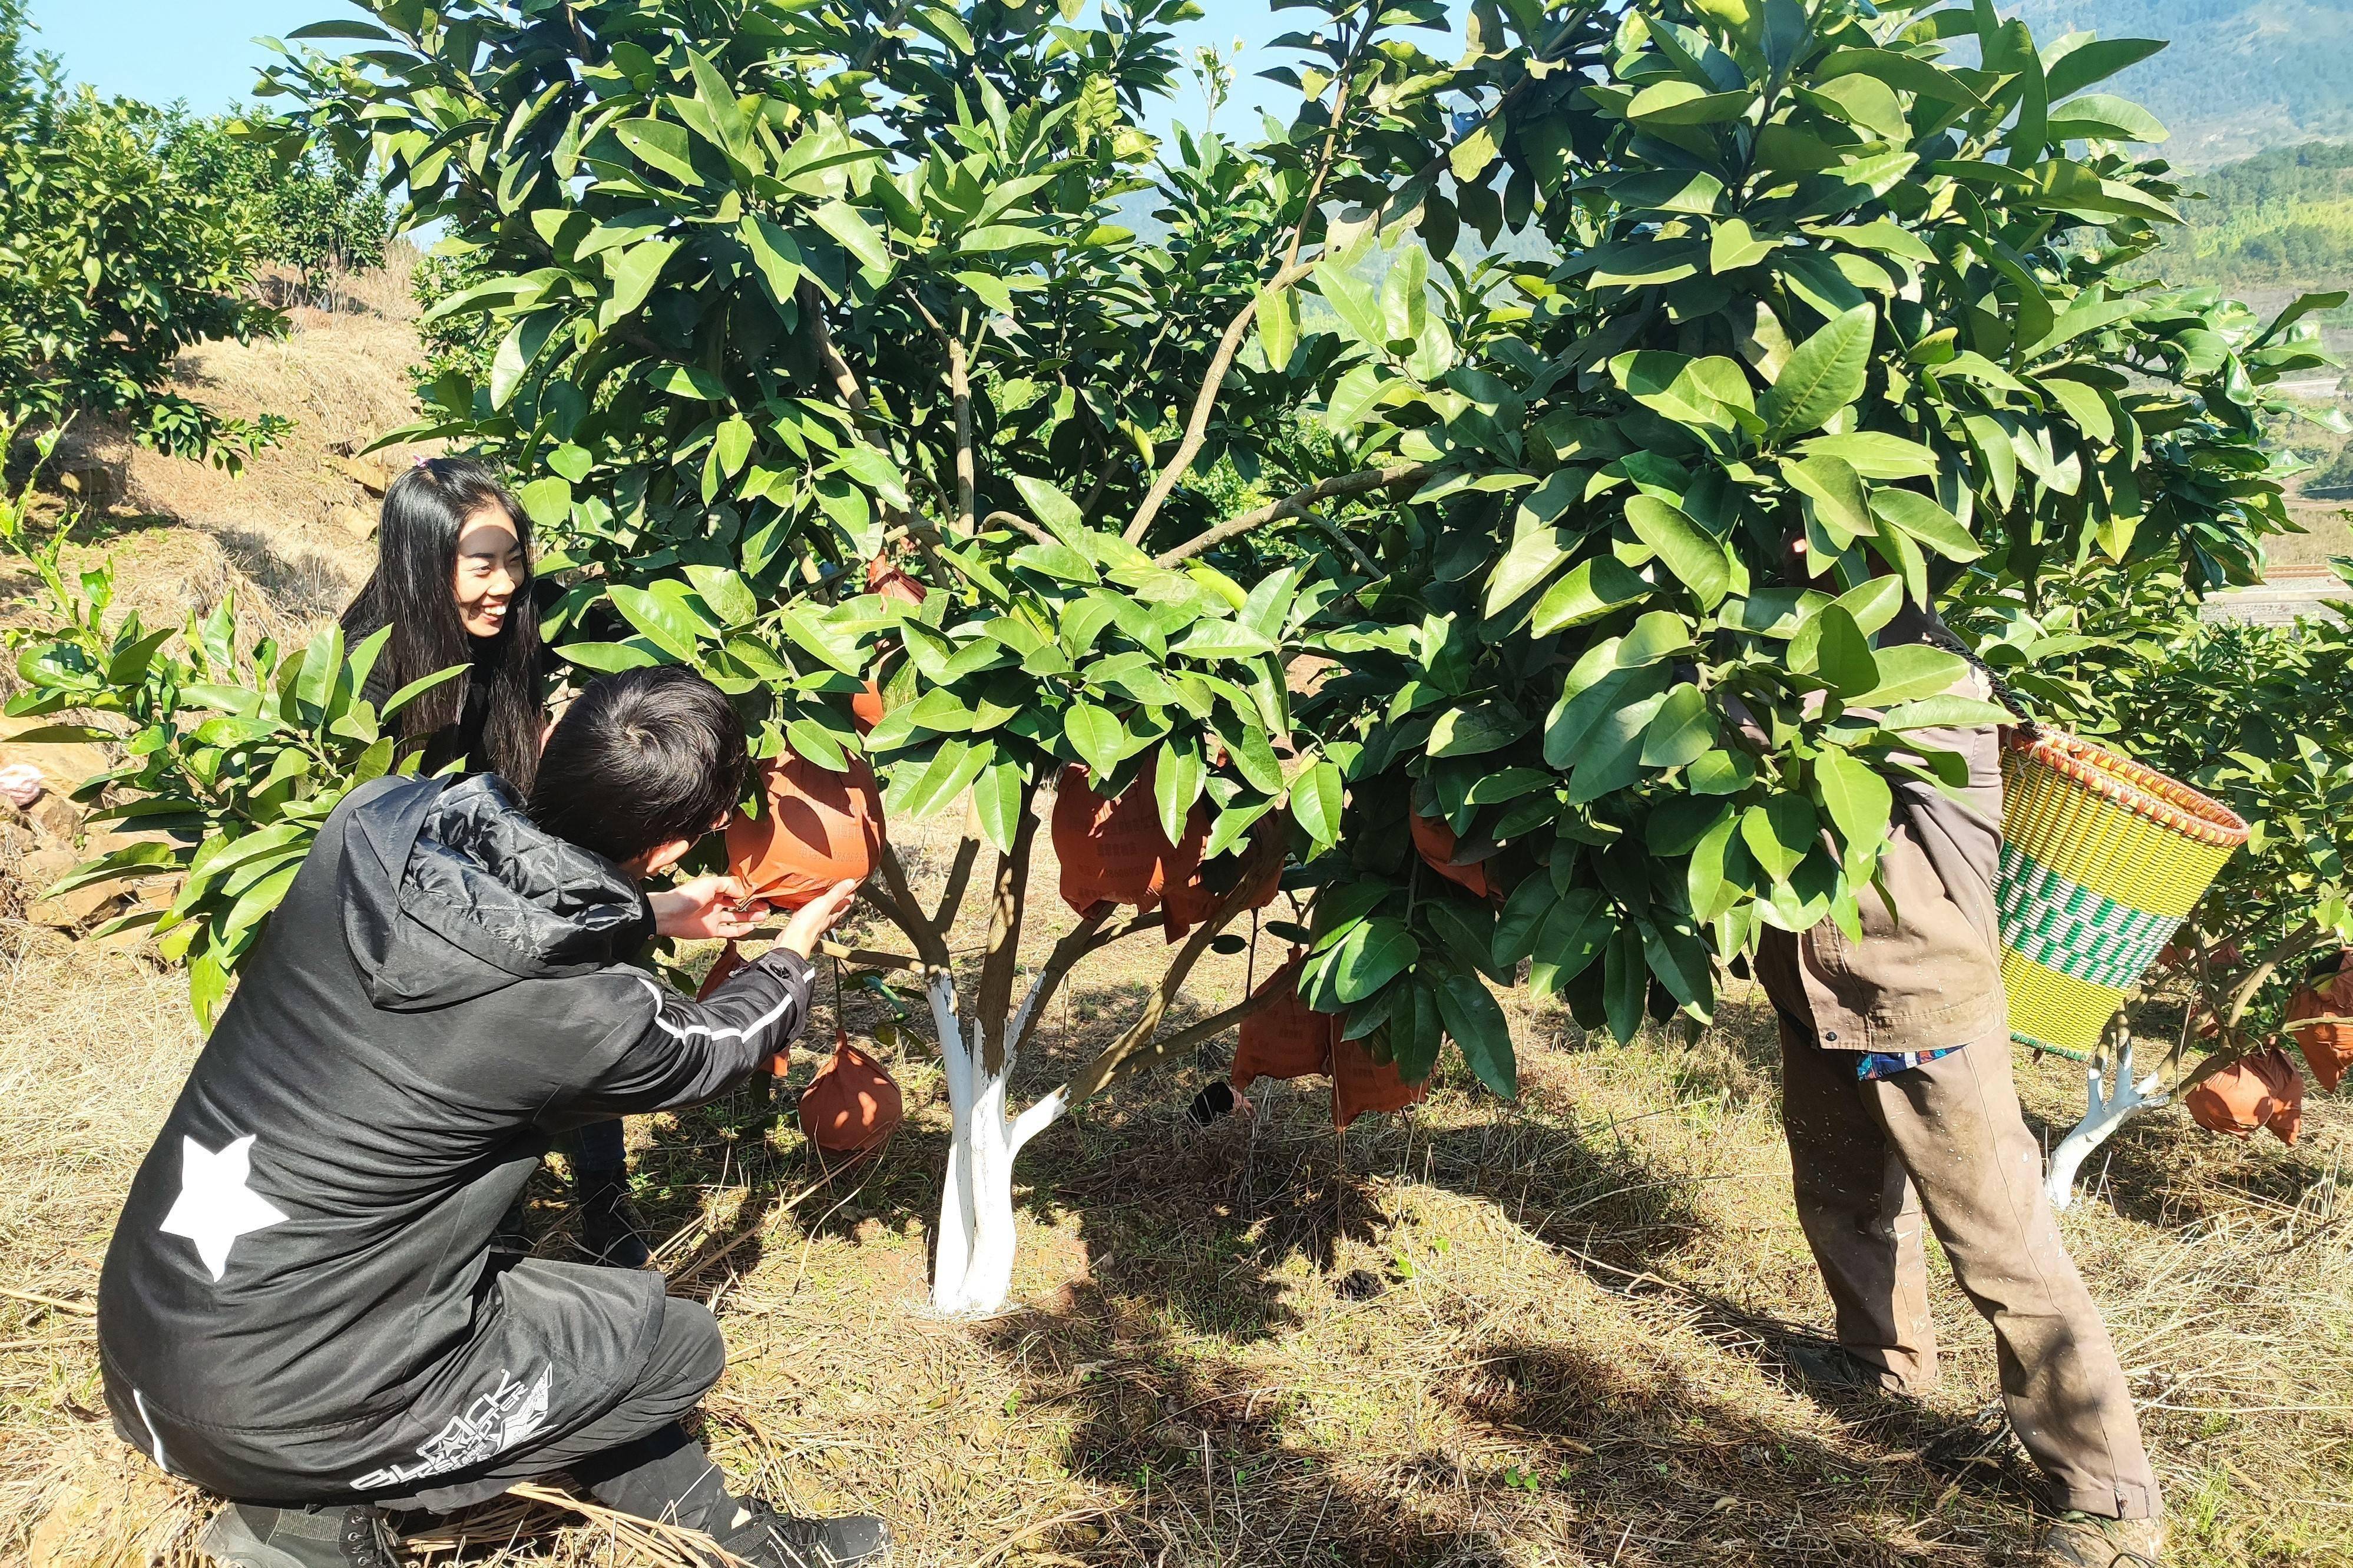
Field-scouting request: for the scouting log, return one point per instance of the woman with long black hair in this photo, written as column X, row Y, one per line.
column 453, row 581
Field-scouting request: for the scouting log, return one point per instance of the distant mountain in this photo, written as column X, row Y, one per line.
column 2240, row 75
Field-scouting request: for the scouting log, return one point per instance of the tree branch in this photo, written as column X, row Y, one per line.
column 1357, row 483
column 960, row 391
column 1010, row 899
column 836, row 369
column 1134, row 1050
column 1015, row 520
column 1197, row 426
column 959, row 877
column 1344, row 79
column 1080, row 940
column 931, row 941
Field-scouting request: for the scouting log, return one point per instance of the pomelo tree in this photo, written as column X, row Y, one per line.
column 792, row 303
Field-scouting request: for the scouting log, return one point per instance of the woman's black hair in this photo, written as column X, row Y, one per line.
column 642, row 759
column 426, row 511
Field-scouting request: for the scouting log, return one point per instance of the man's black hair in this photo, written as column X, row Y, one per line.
column 642, row 759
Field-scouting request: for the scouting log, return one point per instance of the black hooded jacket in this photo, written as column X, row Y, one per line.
column 300, row 1300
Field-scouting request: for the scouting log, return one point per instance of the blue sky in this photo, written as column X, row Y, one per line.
column 203, row 50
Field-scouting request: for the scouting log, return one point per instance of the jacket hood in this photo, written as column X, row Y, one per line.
column 449, row 892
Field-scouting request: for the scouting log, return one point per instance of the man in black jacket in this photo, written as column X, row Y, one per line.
column 301, row 1309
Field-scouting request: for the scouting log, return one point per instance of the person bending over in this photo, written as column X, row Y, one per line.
column 301, row 1308
column 1897, row 1099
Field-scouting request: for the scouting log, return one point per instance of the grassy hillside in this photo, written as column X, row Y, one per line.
column 2240, row 75
column 2280, row 219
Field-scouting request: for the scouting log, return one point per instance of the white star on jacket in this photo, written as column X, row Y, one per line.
column 215, row 1207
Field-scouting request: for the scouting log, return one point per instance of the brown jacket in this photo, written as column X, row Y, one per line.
column 1927, row 974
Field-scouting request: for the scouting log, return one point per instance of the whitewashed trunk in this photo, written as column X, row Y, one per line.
column 2104, row 1114
column 973, row 1264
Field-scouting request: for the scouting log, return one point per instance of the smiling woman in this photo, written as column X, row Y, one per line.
column 453, row 564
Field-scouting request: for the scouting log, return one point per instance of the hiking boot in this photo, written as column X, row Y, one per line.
column 2088, row 1540
column 609, row 1225
column 1838, row 1369
column 333, row 1536
column 763, row 1536
column 511, row 1237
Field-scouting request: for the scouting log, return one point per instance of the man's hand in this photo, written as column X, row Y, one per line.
column 816, row 917
column 705, row 908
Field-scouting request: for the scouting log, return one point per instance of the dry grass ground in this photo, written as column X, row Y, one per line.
column 1549, row 1332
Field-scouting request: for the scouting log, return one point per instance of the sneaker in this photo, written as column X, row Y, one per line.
column 2088, row 1540
column 771, row 1540
column 1836, row 1367
column 336, row 1535
column 609, row 1226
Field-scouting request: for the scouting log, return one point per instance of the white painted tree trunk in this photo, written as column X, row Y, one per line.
column 2104, row 1114
column 973, row 1268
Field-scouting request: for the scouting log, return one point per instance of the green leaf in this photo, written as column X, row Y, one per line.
column 1857, row 799
column 1472, row 730
column 1533, row 557
column 663, row 621
column 1570, row 939
column 1926, row 522
column 1473, row 155
column 997, row 798
column 1354, row 301
column 1836, row 489
column 1317, row 797
column 1843, row 654
column 777, row 255
column 662, row 145
column 1625, row 983
column 1682, row 731
column 858, row 236
column 1590, row 591
column 2098, row 115
column 1050, row 505
column 952, row 768
column 1278, row 325
column 1472, row 1016
column 725, row 591
column 1372, row 955
column 1822, row 375
column 1178, row 779
column 1096, row 735
column 1696, row 556
column 1521, row 919
column 1779, row 832
column 2095, row 60
column 635, row 271
column 1677, row 102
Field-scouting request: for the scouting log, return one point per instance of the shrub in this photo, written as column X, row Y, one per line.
column 113, row 264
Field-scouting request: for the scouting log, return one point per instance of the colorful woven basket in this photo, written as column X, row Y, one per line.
column 2101, row 858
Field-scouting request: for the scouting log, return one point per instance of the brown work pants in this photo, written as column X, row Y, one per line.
column 1946, row 1137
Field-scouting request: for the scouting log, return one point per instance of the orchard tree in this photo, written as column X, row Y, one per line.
column 111, row 264
column 1810, row 293
column 782, row 291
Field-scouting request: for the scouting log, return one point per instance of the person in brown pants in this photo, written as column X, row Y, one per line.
column 1897, row 1100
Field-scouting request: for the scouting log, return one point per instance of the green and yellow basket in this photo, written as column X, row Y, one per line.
column 2101, row 860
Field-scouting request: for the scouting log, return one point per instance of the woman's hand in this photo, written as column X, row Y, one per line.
column 707, row 907
column 818, row 916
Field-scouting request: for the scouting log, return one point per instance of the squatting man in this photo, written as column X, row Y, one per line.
column 301, row 1309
